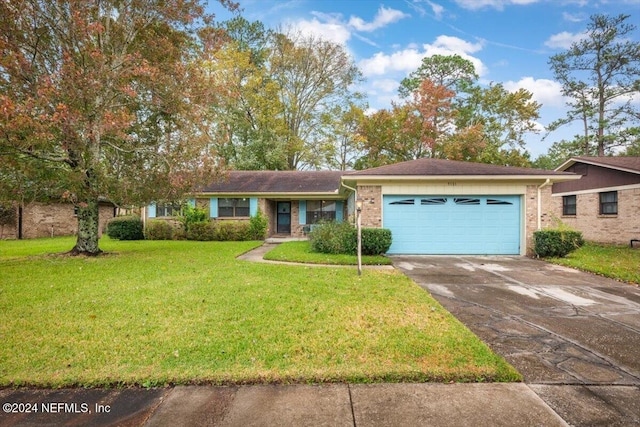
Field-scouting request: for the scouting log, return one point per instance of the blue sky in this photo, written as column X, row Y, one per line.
column 509, row 41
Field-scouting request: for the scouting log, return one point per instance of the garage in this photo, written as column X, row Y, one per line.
column 453, row 224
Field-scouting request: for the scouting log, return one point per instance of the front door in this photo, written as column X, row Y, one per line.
column 284, row 218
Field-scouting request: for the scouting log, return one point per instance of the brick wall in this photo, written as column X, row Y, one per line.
column 617, row 229
column 52, row 219
column 531, row 213
column 371, row 206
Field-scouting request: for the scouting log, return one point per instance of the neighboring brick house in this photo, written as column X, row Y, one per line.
column 38, row 219
column 431, row 206
column 605, row 203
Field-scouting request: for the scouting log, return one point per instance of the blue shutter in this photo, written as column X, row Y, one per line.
column 339, row 208
column 213, row 207
column 253, row 206
column 302, row 204
column 151, row 209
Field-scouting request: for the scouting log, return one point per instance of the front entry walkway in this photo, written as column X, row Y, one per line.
column 574, row 336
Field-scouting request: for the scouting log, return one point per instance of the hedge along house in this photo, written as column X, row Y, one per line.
column 291, row 200
column 431, row 206
column 605, row 203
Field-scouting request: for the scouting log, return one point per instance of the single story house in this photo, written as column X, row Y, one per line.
column 431, row 206
column 604, row 204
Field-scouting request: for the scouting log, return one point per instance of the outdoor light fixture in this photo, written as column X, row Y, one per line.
column 359, row 226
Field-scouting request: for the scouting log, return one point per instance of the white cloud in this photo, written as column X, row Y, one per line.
column 437, row 9
column 381, row 63
column 386, row 85
column 384, row 17
column 331, row 30
column 409, row 59
column 546, row 92
column 496, row 4
column 563, row 40
column 573, row 17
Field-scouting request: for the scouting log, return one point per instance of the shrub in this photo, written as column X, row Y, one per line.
column 226, row 231
column 556, row 242
column 333, row 238
column 258, row 226
column 125, row 228
column 203, row 231
column 159, row 230
column 375, row 241
column 342, row 238
column 192, row 215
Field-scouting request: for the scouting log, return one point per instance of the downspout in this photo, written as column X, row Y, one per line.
column 355, row 192
column 547, row 182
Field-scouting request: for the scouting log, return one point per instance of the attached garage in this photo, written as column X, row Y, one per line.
column 446, row 207
column 453, row 224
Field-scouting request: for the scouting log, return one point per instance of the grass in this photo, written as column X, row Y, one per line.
column 617, row 262
column 301, row 252
column 153, row 313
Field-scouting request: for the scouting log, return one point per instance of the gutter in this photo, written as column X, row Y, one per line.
column 355, row 192
column 547, row 182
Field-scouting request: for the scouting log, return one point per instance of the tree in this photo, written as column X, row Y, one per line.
column 104, row 99
column 313, row 76
column 601, row 74
column 281, row 88
column 452, row 72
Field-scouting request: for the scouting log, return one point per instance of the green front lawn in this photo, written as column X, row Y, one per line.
column 180, row 312
column 301, row 252
column 616, row 262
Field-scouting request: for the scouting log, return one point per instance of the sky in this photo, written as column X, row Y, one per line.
column 508, row 41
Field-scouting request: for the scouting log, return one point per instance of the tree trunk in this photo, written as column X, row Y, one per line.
column 88, row 227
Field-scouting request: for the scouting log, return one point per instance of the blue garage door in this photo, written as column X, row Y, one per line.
column 470, row 225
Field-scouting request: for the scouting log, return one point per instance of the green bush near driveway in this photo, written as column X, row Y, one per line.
column 556, row 242
column 153, row 313
column 342, row 238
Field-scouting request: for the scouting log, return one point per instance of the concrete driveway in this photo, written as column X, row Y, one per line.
column 574, row 336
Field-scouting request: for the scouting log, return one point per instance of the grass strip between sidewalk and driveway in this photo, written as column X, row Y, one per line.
column 301, row 252
column 613, row 261
column 153, row 313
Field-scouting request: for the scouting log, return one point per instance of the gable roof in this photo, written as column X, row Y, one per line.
column 626, row 164
column 277, row 182
column 438, row 168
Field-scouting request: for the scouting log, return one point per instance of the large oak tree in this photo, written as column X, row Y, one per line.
column 104, row 99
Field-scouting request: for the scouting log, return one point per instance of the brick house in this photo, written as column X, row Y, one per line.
column 604, row 204
column 431, row 206
column 39, row 219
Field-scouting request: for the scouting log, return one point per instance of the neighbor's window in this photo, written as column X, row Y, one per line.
column 318, row 210
column 233, row 207
column 568, row 205
column 168, row 209
column 609, row 203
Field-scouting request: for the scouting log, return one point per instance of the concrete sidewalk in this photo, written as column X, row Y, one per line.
column 284, row 405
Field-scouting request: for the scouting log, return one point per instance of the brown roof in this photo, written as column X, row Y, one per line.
column 628, row 164
column 277, row 182
column 439, row 167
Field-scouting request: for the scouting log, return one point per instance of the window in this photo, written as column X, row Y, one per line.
column 320, row 210
column 466, row 201
column 403, row 202
column 568, row 205
column 498, row 202
column 167, row 209
column 609, row 203
column 233, row 207
column 434, row 201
